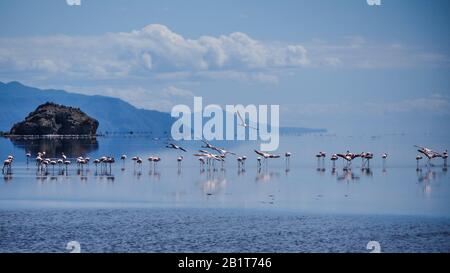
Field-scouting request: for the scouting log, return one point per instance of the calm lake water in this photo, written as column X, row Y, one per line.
column 307, row 208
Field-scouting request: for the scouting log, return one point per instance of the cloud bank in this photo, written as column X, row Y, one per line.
column 152, row 50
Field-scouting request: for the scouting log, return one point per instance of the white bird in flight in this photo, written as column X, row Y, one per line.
column 243, row 124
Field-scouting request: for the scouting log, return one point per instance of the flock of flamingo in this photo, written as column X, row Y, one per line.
column 208, row 157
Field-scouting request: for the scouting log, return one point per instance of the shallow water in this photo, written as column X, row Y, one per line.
column 215, row 230
column 187, row 209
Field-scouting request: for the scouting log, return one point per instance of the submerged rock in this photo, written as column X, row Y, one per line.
column 54, row 119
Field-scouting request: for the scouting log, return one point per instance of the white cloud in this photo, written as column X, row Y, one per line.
column 152, row 50
column 357, row 52
column 156, row 52
column 73, row 2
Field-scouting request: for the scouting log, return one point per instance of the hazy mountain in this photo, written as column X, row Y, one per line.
column 114, row 115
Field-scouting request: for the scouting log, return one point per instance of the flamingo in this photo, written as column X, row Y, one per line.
column 208, row 145
column 223, row 151
column 384, row 157
column 179, row 160
column 150, row 160
column 210, row 157
column 39, row 163
column 53, row 163
column 418, row 157
column 217, row 149
column 156, row 159
column 244, row 158
column 96, row 162
column 103, row 161
column 204, row 154
column 139, row 162
column 28, row 155
column 202, row 162
column 239, row 160
column 333, row 158
column 67, row 163
column 366, row 157
column 111, row 161
column 134, row 158
column 243, row 124
column 79, row 160
column 220, row 158
column 287, row 155
column 7, row 165
column 45, row 163
column 266, row 156
column 430, row 154
column 318, row 156
column 82, row 163
column 123, row 157
column 258, row 162
column 60, row 162
column 348, row 157
column 445, row 156
column 176, row 147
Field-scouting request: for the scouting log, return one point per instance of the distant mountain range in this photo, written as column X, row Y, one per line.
column 113, row 115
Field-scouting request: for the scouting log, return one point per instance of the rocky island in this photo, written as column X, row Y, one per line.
column 54, row 119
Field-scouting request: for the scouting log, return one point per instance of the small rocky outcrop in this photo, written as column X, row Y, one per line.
column 54, row 119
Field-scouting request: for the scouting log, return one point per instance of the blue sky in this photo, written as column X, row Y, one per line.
column 342, row 65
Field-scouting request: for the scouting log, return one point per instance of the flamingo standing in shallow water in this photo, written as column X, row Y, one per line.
column 202, row 162
column 150, row 161
column 28, row 155
column 384, row 157
column 123, row 157
column 179, row 160
column 287, row 155
column 244, row 158
column 134, row 159
column 96, row 162
column 66, row 163
column 333, row 158
column 7, row 165
column 45, row 163
column 60, row 162
column 445, row 156
column 239, row 160
column 418, row 157
column 366, row 159
column 156, row 159
column 258, row 162
column 110, row 161
column 139, row 162
column 53, row 163
column 320, row 159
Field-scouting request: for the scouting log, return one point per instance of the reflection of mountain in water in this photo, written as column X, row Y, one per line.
column 54, row 147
